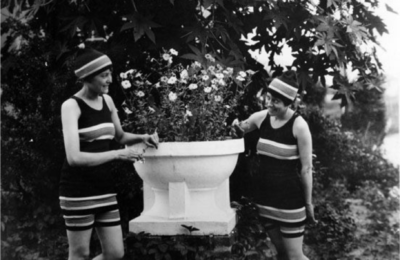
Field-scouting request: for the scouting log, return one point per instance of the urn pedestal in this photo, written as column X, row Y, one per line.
column 187, row 183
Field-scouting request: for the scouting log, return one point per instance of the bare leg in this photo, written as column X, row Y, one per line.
column 276, row 239
column 111, row 243
column 79, row 242
column 294, row 248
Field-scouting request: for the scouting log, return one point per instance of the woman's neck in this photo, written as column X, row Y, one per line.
column 284, row 116
column 86, row 93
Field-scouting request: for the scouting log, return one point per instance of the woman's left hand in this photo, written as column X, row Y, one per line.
column 152, row 140
column 310, row 213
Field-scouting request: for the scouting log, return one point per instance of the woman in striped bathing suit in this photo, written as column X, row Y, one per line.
column 283, row 191
column 87, row 196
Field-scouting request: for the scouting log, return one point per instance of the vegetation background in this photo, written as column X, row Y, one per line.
column 356, row 188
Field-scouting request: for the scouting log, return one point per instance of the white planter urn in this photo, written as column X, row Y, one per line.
column 187, row 183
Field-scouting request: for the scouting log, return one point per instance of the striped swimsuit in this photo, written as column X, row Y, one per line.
column 87, row 196
column 278, row 190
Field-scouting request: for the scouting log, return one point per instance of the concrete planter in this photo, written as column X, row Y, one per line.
column 187, row 183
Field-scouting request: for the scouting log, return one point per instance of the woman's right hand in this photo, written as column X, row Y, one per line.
column 129, row 154
column 310, row 213
column 237, row 131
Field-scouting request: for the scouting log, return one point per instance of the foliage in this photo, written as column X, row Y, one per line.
column 379, row 236
column 348, row 158
column 367, row 117
column 32, row 150
column 189, row 103
column 252, row 241
column 30, row 230
column 325, row 36
column 333, row 236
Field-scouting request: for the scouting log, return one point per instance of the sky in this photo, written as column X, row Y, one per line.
column 391, row 56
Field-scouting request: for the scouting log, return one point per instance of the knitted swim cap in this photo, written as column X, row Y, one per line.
column 90, row 61
column 285, row 86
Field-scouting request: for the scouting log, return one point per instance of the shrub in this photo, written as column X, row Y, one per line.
column 343, row 155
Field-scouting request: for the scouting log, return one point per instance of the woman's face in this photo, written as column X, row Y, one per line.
column 274, row 105
column 101, row 82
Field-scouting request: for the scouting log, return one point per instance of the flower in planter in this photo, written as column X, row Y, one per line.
column 184, row 103
column 394, row 192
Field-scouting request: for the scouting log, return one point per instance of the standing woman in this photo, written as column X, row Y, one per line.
column 283, row 191
column 87, row 197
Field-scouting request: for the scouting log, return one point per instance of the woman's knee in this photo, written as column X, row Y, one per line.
column 296, row 255
column 79, row 253
column 116, row 254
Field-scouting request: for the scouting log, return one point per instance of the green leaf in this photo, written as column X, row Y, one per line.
column 390, row 9
column 141, row 25
column 356, row 30
column 207, row 3
column 163, row 247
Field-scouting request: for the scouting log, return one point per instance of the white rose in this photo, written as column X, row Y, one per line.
column 205, row 77
column 164, row 79
column 129, row 72
column 207, row 89
column 172, row 80
column 172, row 96
column 219, row 76
column 166, row 56
column 122, row 75
column 217, row 98
column 196, row 64
column 173, row 52
column 126, row 84
column 184, row 74
column 250, row 72
column 140, row 94
column 127, row 111
column 240, row 78
column 192, row 86
column 242, row 74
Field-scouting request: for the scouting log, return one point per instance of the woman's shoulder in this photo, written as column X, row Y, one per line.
column 259, row 115
column 70, row 103
column 109, row 101
column 300, row 124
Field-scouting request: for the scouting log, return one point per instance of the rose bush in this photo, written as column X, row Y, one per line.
column 182, row 103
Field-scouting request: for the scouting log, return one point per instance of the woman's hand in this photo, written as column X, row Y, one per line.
column 129, row 154
column 152, row 140
column 236, row 130
column 310, row 213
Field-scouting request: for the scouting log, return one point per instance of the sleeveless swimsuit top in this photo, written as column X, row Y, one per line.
column 95, row 127
column 96, row 132
column 278, row 146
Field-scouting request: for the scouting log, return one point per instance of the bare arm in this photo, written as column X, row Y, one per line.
column 304, row 143
column 70, row 113
column 252, row 123
column 129, row 138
